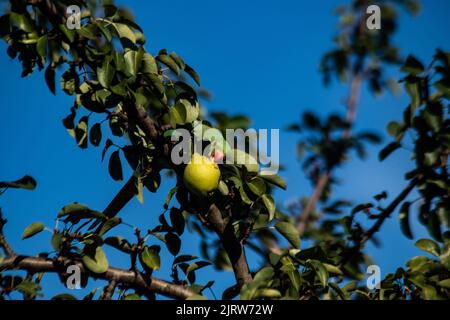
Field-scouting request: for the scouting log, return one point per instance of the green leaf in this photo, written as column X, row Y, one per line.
column 132, row 296
column 263, row 276
column 429, row 246
column 178, row 114
column 150, row 258
column 169, row 197
column 386, row 151
column 69, row 81
column 404, row 220
column 20, row 21
column 338, row 290
column 413, row 90
column 268, row 293
column 90, row 295
column 125, row 33
column 333, row 269
column 152, row 181
column 108, row 144
column 64, row 296
column 169, row 62
column 28, row 287
column 70, row 34
column 115, row 166
column 289, row 231
column 431, row 157
column 274, row 179
column 156, row 81
column 132, row 61
column 191, row 72
column 50, row 78
column 257, row 186
column 361, row 207
column 223, row 188
column 196, row 265
column 444, row 283
column 178, row 60
column 430, row 293
column 108, row 225
column 103, row 26
column 56, row 241
column 260, row 280
column 119, row 243
column 87, row 31
column 148, row 64
column 269, row 203
column 92, row 101
column 443, row 86
column 183, row 258
column 94, row 258
column 212, row 135
column 41, row 46
column 139, row 190
column 173, row 243
column 33, row 229
column 445, row 256
column 177, row 220
column 81, row 132
column 196, row 297
column 95, row 134
column 230, row 293
column 320, row 270
column 350, row 286
column 105, row 73
column 191, row 108
column 73, row 208
column 244, row 196
column 412, row 66
column 433, row 117
column 26, row 182
column 5, row 28
column 434, row 225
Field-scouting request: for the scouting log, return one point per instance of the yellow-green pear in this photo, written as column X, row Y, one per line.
column 201, row 175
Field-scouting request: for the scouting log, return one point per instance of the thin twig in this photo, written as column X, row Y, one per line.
column 388, row 211
column 3, row 243
column 109, row 290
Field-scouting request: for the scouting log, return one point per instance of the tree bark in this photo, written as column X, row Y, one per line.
column 232, row 245
column 122, row 276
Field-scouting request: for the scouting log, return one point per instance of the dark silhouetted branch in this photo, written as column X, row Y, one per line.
column 388, row 211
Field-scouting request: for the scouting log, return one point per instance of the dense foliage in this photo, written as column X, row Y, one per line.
column 129, row 102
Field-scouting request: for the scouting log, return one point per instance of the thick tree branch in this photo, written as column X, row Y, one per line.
column 322, row 182
column 232, row 245
column 122, row 276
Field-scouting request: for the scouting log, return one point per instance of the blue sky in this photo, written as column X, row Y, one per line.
column 259, row 58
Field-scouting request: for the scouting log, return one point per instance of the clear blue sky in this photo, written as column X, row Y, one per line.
column 257, row 57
